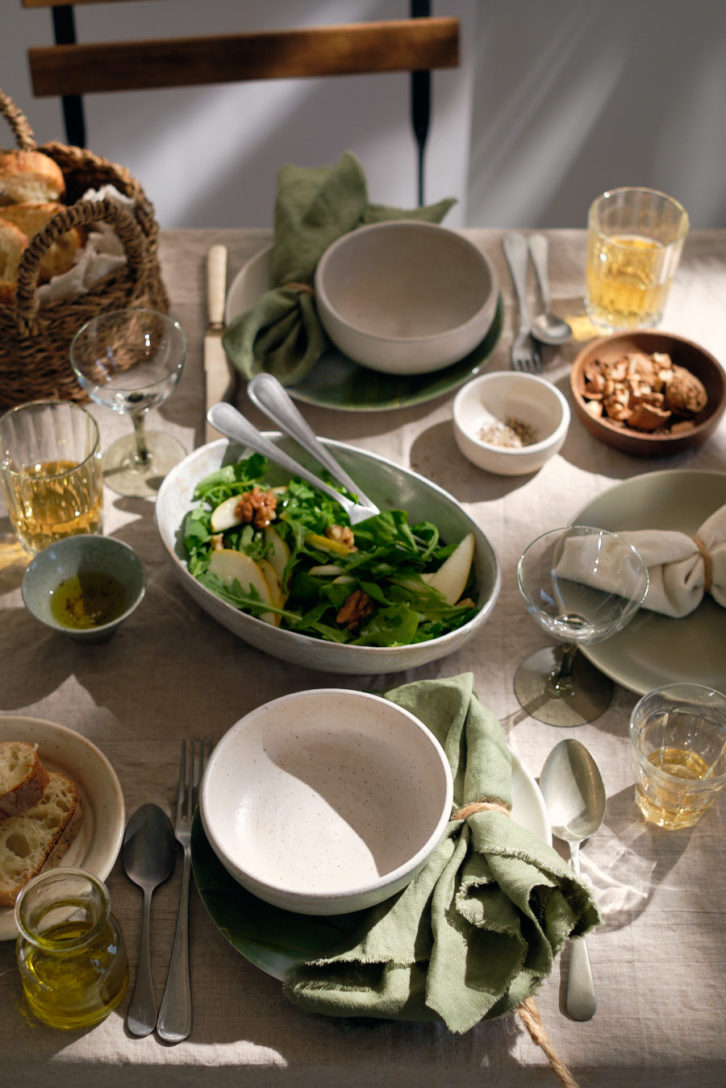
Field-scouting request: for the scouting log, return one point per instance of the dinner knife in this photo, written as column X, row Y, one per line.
column 218, row 373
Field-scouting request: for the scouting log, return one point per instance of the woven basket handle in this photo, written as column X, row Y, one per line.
column 18, row 123
column 79, row 214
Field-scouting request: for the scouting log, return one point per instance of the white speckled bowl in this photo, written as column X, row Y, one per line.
column 503, row 394
column 326, row 801
column 405, row 297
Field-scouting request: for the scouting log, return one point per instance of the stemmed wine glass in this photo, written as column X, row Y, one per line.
column 131, row 361
column 582, row 585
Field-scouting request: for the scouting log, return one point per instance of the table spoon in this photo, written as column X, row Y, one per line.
column 547, row 326
column 575, row 797
column 149, row 854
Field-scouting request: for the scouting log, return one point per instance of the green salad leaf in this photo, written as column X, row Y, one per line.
column 365, row 586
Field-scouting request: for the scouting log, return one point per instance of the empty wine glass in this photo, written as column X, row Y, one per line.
column 131, row 361
column 582, row 585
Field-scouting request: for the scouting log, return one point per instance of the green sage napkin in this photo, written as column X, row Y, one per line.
column 476, row 932
column 282, row 334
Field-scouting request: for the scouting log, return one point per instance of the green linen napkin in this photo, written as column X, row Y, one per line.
column 282, row 334
column 476, row 932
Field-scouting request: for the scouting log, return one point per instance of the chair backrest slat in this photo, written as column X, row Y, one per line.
column 396, row 45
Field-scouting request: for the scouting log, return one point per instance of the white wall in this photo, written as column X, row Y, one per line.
column 555, row 101
column 208, row 156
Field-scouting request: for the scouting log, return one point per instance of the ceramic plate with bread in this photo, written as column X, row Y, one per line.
column 53, row 774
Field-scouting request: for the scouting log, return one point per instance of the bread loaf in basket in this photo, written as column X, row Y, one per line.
column 36, row 332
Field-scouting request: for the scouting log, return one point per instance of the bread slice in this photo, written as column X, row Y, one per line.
column 23, row 777
column 32, row 218
column 29, row 175
column 39, row 837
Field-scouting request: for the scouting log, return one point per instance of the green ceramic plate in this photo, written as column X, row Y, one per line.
column 337, row 382
column 275, row 939
column 654, row 650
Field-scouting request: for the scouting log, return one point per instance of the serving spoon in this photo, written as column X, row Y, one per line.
column 230, row 422
column 574, row 793
column 149, row 854
column 546, row 326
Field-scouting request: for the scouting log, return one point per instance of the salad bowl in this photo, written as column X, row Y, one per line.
column 391, row 487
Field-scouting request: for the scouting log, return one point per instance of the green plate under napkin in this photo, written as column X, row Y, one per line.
column 470, row 938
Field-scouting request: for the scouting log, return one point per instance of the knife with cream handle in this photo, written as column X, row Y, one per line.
column 218, row 373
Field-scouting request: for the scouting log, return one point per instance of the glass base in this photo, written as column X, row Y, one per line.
column 589, row 696
column 124, row 475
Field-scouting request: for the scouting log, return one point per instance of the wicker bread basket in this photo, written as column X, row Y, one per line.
column 34, row 339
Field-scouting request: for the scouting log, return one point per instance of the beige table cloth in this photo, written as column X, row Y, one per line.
column 659, row 959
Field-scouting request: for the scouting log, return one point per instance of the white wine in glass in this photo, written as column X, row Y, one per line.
column 131, row 361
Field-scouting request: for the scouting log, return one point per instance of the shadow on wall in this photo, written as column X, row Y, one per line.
column 591, row 96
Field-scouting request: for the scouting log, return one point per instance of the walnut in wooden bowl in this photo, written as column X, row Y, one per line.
column 648, row 393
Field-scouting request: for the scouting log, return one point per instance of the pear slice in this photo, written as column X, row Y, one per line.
column 280, row 553
column 225, row 515
column 277, row 597
column 233, row 566
column 453, row 574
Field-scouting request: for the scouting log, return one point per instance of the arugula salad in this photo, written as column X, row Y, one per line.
column 288, row 555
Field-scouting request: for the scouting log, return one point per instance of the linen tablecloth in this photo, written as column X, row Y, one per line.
column 659, row 960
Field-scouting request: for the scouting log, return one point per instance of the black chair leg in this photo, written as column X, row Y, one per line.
column 64, row 31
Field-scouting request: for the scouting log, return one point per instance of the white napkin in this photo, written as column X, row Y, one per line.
column 102, row 255
column 681, row 568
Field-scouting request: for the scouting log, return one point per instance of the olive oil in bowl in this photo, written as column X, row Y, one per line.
column 91, row 598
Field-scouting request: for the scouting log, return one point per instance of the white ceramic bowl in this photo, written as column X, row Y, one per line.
column 75, row 555
column 510, row 394
column 326, row 801
column 391, row 487
column 405, row 297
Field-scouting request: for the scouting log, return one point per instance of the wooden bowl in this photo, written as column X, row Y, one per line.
column 683, row 353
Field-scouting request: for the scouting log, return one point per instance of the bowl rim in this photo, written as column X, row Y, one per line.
column 630, row 434
column 112, row 543
column 472, row 322
column 515, row 451
column 353, row 890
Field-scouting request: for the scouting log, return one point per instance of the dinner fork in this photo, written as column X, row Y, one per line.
column 525, row 353
column 175, row 1013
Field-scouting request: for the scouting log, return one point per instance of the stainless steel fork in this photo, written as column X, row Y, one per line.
column 524, row 352
column 175, row 1013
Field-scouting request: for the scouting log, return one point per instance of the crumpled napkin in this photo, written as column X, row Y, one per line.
column 681, row 568
column 476, row 932
column 282, row 334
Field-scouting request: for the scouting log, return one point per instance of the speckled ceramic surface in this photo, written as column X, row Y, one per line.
column 97, row 843
column 337, row 382
column 67, row 558
column 326, row 801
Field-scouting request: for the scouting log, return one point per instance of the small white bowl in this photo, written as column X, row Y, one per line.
column 326, row 801
column 405, row 297
column 509, row 394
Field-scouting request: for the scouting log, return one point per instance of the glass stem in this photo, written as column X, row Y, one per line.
column 563, row 681
column 142, row 456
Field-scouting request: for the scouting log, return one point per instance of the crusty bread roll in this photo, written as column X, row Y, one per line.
column 23, row 777
column 12, row 243
column 29, row 175
column 30, row 219
column 38, row 837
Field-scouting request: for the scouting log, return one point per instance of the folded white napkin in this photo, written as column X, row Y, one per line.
column 681, row 568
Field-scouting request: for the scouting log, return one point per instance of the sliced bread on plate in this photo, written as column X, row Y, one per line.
column 38, row 837
column 23, row 778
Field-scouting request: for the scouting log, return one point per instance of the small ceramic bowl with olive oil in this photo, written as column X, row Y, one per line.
column 84, row 586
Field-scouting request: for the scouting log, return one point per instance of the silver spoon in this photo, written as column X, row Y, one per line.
column 547, row 326
column 575, row 797
column 149, row 854
column 228, row 421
